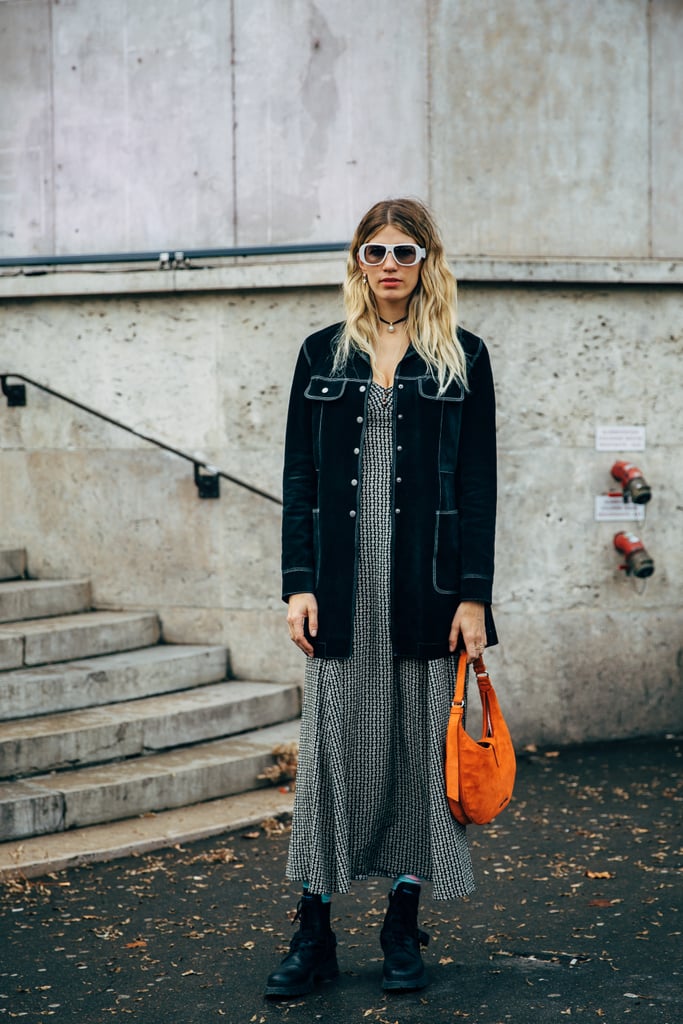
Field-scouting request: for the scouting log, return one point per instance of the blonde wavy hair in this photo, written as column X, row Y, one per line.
column 432, row 307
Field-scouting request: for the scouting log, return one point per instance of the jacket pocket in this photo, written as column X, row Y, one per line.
column 325, row 389
column 428, row 387
column 319, row 391
column 446, row 562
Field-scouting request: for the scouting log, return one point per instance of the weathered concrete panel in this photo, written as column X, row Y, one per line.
column 667, row 127
column 140, row 161
column 569, row 359
column 575, row 677
column 133, row 357
column 26, row 158
column 541, row 115
column 259, row 337
column 566, row 361
column 331, row 104
column 547, row 496
column 534, row 129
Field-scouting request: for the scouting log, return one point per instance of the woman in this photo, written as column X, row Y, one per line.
column 388, row 535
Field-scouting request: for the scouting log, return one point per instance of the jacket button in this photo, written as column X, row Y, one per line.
column 400, row 416
column 356, row 451
column 325, row 390
column 399, row 447
column 352, row 513
column 399, row 480
column 400, row 387
column 354, row 483
column 398, row 511
column 359, row 419
column 362, row 388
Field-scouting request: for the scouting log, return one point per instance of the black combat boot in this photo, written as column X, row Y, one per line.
column 401, row 940
column 312, row 952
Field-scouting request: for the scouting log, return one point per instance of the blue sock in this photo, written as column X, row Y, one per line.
column 325, row 896
column 408, row 880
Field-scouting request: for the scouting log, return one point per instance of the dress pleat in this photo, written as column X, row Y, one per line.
column 370, row 794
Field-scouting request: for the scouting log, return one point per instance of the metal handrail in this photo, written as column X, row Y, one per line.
column 173, row 258
column 206, row 477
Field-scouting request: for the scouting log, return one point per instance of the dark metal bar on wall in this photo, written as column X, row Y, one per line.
column 174, row 257
column 206, row 477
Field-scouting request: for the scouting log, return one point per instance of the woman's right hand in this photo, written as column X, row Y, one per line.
column 300, row 608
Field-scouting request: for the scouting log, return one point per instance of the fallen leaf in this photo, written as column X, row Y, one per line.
column 599, row 874
column 138, row 944
column 446, row 960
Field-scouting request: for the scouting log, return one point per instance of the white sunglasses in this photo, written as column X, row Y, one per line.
column 406, row 254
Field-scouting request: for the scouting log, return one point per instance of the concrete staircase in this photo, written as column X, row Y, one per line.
column 99, row 721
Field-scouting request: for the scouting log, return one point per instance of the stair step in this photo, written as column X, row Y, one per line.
column 68, row 637
column 175, row 778
column 12, row 563
column 38, row 599
column 42, row 855
column 109, row 678
column 137, row 727
column 11, row 650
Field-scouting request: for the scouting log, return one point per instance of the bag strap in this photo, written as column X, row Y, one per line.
column 483, row 679
column 459, row 695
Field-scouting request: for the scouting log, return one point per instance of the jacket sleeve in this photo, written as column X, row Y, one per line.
column 476, row 482
column 299, row 489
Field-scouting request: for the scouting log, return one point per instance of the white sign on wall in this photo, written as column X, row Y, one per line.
column 611, row 508
column 619, row 438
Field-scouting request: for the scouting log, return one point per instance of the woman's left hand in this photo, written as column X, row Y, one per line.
column 469, row 621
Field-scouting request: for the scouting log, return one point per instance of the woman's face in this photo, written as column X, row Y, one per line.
column 390, row 281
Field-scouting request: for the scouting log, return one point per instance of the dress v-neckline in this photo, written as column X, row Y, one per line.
column 385, row 392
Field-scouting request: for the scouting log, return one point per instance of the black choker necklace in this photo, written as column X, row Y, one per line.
column 392, row 322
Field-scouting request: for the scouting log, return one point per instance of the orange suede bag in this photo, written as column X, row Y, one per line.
column 480, row 776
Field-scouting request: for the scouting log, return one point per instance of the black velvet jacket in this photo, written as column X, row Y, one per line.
column 444, row 490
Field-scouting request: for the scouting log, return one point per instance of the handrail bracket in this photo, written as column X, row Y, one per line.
column 14, row 393
column 208, row 483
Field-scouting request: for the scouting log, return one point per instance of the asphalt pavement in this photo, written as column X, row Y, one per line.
column 576, row 917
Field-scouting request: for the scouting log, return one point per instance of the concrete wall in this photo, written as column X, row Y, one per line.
column 583, row 653
column 534, row 127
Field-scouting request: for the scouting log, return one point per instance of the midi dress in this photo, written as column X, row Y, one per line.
column 370, row 794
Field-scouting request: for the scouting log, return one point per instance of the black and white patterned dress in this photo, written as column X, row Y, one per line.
column 370, row 795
